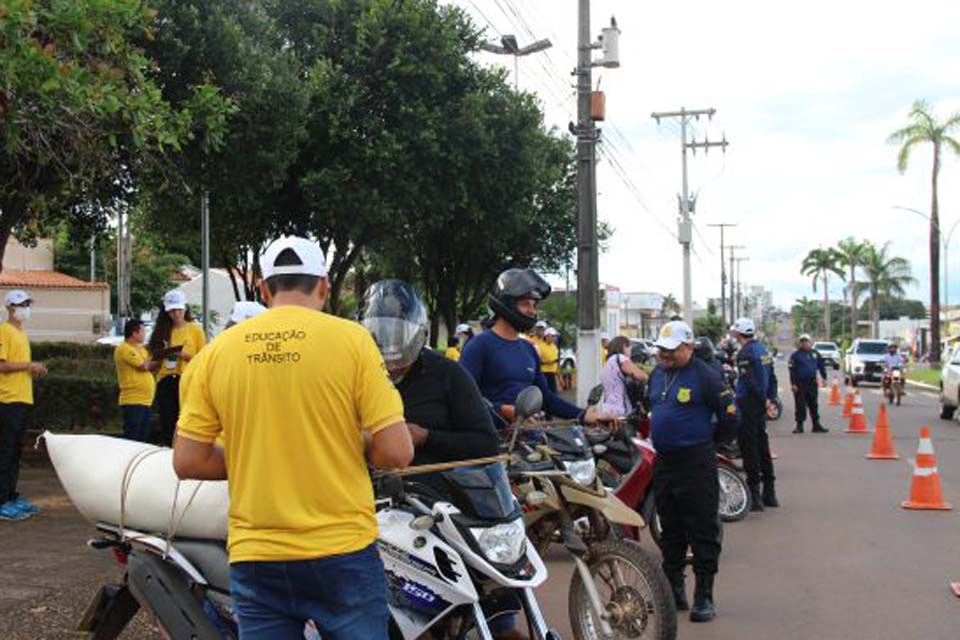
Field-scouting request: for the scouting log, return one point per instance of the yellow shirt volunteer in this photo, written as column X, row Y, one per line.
column 136, row 386
column 191, row 337
column 290, row 391
column 452, row 353
column 14, row 348
column 549, row 357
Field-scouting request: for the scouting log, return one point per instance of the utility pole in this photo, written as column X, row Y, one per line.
column 738, row 261
column 733, row 248
column 205, row 257
column 588, row 279
column 723, row 273
column 685, row 225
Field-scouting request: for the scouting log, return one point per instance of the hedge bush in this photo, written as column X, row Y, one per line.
column 66, row 402
column 43, row 351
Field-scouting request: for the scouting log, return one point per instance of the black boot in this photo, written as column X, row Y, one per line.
column 770, row 496
column 679, row 592
column 756, row 499
column 819, row 428
column 799, row 428
column 703, row 609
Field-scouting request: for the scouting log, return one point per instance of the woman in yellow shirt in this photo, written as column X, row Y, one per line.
column 549, row 357
column 175, row 341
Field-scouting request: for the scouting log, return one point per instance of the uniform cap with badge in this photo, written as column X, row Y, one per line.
column 673, row 334
column 744, row 326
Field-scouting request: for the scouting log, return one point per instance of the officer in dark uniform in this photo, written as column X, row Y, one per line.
column 755, row 389
column 685, row 395
column 804, row 365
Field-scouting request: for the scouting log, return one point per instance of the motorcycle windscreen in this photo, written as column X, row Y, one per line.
column 482, row 491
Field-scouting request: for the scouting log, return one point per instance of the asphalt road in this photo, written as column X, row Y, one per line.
column 840, row 560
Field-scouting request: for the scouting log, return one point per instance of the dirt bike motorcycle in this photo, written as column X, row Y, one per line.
column 618, row 591
column 444, row 563
column 893, row 385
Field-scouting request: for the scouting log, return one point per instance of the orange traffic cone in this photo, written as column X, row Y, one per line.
column 857, row 423
column 848, row 405
column 835, row 394
column 925, row 487
column 882, row 448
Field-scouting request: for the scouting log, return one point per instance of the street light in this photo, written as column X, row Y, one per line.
column 946, row 250
column 508, row 47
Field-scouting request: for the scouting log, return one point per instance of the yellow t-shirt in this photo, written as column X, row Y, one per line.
column 14, row 348
column 291, row 390
column 191, row 337
column 452, row 353
column 136, row 386
column 549, row 357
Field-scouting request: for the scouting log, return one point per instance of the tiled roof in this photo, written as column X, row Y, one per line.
column 10, row 278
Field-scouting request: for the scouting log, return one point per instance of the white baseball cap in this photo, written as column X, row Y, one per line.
column 744, row 326
column 244, row 310
column 174, row 300
column 16, row 296
column 310, row 261
column 673, row 334
column 541, row 324
column 463, row 328
column 551, row 332
column 805, row 336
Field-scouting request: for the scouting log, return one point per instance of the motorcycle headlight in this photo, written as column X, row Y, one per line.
column 502, row 543
column 582, row 471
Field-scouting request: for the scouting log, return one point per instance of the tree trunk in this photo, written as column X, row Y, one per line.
column 874, row 316
column 935, row 261
column 826, row 305
column 853, row 302
column 434, row 329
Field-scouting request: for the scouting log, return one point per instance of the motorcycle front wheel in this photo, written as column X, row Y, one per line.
column 735, row 500
column 632, row 589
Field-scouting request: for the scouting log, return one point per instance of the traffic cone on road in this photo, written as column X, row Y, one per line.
column 882, row 448
column 848, row 405
column 835, row 394
column 925, row 487
column 857, row 423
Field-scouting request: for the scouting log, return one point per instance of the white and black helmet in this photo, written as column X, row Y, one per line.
column 397, row 318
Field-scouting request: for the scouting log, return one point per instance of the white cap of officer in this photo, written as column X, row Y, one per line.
column 805, row 336
column 463, row 328
column 673, row 334
column 744, row 326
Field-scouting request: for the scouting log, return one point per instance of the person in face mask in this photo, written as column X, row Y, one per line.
column 16, row 397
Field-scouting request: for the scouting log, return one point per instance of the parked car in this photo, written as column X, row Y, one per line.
column 863, row 362
column 950, row 384
column 830, row 353
column 642, row 351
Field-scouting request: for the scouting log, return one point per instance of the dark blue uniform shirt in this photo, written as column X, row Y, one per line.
column 804, row 366
column 683, row 403
column 755, row 373
column 503, row 368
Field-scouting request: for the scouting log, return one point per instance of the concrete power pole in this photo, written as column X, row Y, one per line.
column 205, row 258
column 733, row 248
column 685, row 225
column 739, row 282
column 723, row 273
column 588, row 278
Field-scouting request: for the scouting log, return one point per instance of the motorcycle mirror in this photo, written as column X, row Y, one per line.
column 422, row 523
column 528, row 403
column 595, row 395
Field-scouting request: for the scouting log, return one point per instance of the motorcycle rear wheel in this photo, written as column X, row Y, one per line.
column 735, row 499
column 632, row 588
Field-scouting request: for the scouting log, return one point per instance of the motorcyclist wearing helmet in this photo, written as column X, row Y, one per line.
column 703, row 348
column 446, row 415
column 501, row 361
column 892, row 360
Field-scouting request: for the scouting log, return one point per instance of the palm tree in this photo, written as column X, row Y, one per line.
column 923, row 128
column 819, row 264
column 804, row 315
column 669, row 307
column 851, row 254
column 884, row 275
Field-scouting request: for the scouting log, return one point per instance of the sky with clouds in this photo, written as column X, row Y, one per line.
column 806, row 95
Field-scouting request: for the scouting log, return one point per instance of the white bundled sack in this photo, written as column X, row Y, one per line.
column 129, row 483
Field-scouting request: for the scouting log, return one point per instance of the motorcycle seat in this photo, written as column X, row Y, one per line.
column 210, row 559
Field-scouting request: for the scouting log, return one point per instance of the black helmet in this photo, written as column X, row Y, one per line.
column 397, row 318
column 703, row 348
column 512, row 286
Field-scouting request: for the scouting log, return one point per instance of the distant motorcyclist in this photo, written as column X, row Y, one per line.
column 892, row 359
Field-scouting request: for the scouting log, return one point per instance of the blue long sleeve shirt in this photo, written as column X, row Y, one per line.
column 503, row 368
column 804, row 366
column 684, row 403
column 754, row 372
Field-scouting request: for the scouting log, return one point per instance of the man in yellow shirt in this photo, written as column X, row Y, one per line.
column 135, row 379
column 16, row 397
column 296, row 394
column 549, row 357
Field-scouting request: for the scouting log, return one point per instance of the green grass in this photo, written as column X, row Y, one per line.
column 928, row 376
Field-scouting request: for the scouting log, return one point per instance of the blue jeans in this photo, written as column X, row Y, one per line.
column 136, row 422
column 345, row 596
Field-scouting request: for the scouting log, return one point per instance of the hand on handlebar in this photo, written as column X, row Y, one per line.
column 593, row 415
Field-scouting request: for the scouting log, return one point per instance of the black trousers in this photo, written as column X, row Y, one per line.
column 806, row 398
column 13, row 422
column 168, row 406
column 687, row 494
column 551, row 381
column 754, row 443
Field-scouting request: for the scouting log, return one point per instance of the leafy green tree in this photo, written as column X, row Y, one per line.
column 710, row 325
column 884, row 276
column 560, row 311
column 78, row 111
column 851, row 254
column 819, row 264
column 925, row 128
column 894, row 308
column 670, row 306
column 806, row 314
